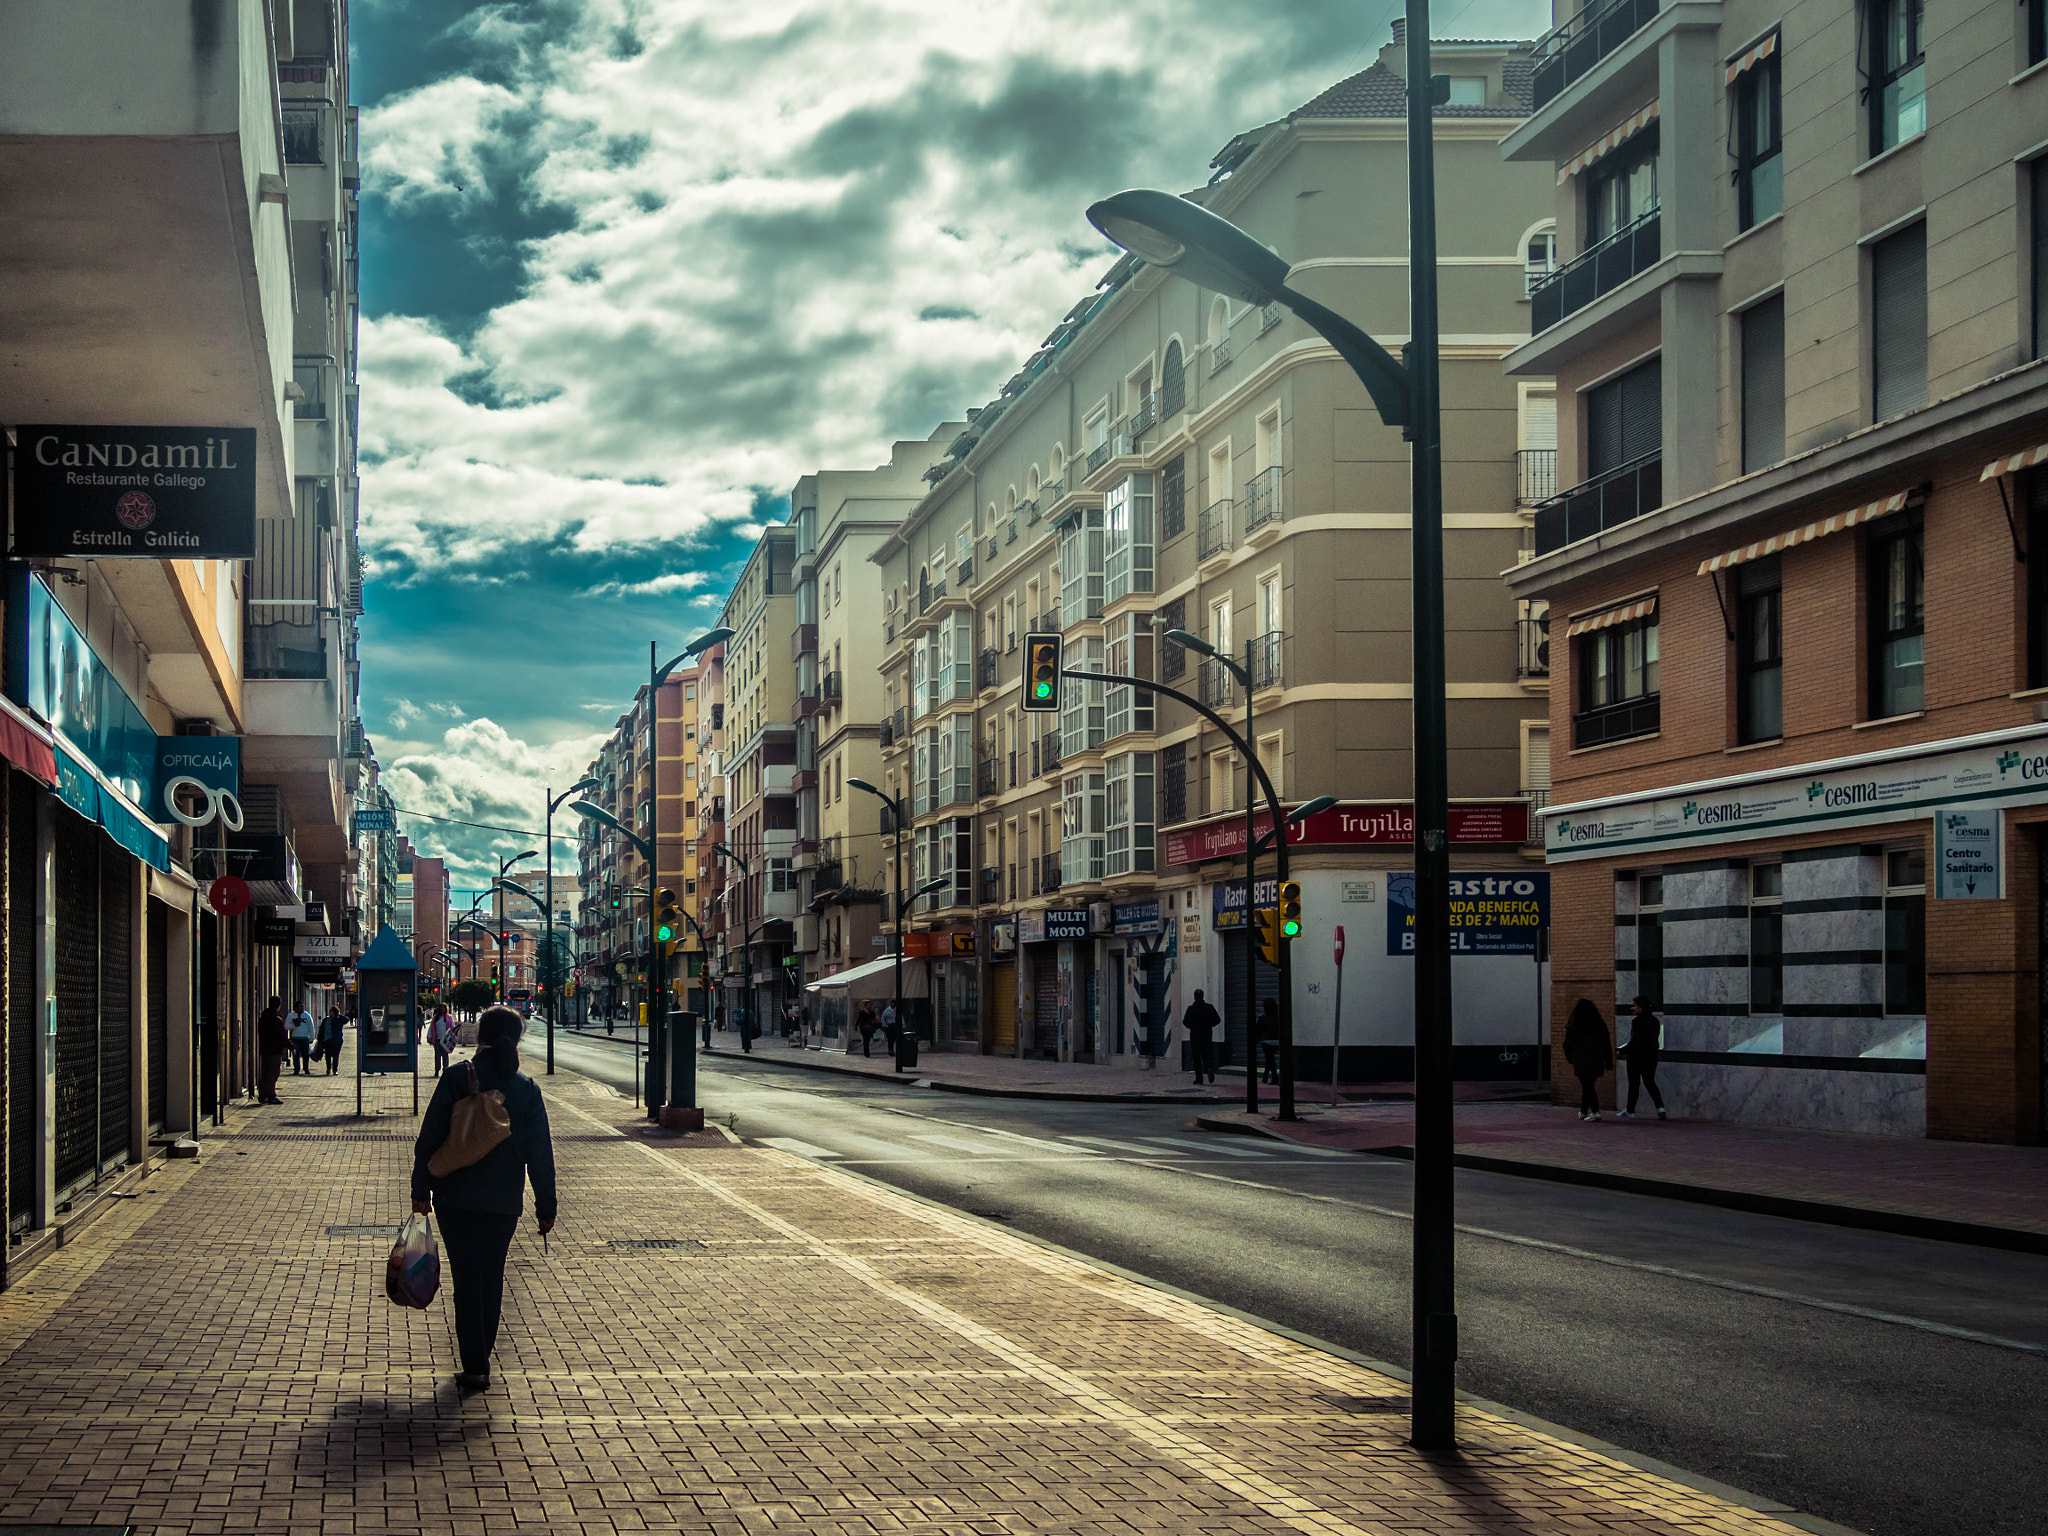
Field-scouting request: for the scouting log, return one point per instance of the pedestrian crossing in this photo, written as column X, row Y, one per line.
column 975, row 1142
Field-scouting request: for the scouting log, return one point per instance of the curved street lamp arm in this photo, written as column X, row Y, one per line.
column 1384, row 378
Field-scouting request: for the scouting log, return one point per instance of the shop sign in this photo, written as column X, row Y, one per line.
column 963, row 942
column 207, row 772
column 376, row 819
column 1499, row 912
column 1486, row 823
column 152, row 493
column 276, row 931
column 1969, row 848
column 62, row 679
column 1907, row 783
column 1065, row 924
column 331, row 947
column 1191, row 933
column 1128, row 917
column 1226, row 901
column 1031, row 928
column 313, row 912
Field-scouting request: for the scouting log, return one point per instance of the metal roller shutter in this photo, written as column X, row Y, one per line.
column 117, row 1000
column 1236, row 951
column 159, row 1014
column 78, row 1001
column 1002, row 984
column 24, row 997
column 1045, row 982
column 1898, row 321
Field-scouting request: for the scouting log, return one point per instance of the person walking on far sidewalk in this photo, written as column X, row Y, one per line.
column 1590, row 1052
column 479, row 1206
column 272, row 1041
column 1200, row 1021
column 331, row 1029
column 1269, row 1041
column 1645, row 1044
column 441, row 1036
column 864, row 1021
column 300, row 1026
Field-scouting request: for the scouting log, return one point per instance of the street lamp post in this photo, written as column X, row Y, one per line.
column 749, row 1025
column 605, row 818
column 554, row 803
column 1181, row 237
column 896, row 824
column 497, row 890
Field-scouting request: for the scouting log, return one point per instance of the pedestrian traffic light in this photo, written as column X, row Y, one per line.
column 668, row 922
column 1269, row 934
column 1042, row 673
column 1290, row 909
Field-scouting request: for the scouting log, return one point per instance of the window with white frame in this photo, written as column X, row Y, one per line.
column 920, row 677
column 1080, row 567
column 1223, row 777
column 780, row 875
column 1127, row 814
column 1081, row 827
column 1127, row 538
column 1127, row 648
column 1081, row 704
column 925, row 772
column 960, row 783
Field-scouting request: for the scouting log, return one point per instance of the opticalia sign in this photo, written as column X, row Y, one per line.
column 1996, row 769
column 137, row 492
column 1493, row 823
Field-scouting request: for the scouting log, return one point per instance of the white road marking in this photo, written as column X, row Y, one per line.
column 1204, row 1146
column 800, row 1148
column 960, row 1144
column 1125, row 1146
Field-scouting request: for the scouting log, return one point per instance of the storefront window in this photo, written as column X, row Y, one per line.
column 1766, row 938
column 1905, row 931
column 1896, row 675
column 1650, row 938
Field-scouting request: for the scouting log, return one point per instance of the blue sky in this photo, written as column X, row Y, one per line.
column 631, row 267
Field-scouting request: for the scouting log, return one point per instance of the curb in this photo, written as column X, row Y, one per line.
column 1862, row 1218
column 979, row 1090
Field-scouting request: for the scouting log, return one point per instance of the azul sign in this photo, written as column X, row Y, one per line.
column 143, row 492
column 2000, row 768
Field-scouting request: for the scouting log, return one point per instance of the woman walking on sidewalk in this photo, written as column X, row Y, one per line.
column 480, row 1205
column 1590, row 1052
column 331, row 1030
column 1645, row 1045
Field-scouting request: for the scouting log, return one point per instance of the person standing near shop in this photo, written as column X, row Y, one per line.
column 1269, row 1041
column 1200, row 1022
column 1590, row 1052
column 272, row 1041
column 1645, row 1045
column 300, row 1025
column 331, row 1030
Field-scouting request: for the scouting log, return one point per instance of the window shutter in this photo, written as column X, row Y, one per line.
column 2040, row 200
column 1763, row 384
column 1536, row 760
column 1625, row 417
column 1539, row 421
column 1898, row 310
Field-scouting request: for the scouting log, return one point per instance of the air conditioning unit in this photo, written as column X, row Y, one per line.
column 1002, row 938
column 1101, row 919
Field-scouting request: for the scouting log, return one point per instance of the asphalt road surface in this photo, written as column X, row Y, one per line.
column 1893, row 1385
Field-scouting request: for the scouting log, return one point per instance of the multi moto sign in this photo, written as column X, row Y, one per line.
column 1996, row 769
column 1486, row 822
column 140, row 492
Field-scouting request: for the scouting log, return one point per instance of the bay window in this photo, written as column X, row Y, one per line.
column 1081, row 827
column 1127, row 644
column 1127, row 538
column 1127, row 814
column 1081, row 566
column 1082, row 705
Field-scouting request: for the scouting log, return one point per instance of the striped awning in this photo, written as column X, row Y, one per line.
column 1621, row 613
column 1756, row 55
column 2013, row 463
column 1814, row 530
column 1611, row 140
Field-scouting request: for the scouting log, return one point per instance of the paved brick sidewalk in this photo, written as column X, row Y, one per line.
column 721, row 1341
column 1945, row 1181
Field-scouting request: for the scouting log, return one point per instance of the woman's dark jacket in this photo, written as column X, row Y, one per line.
column 1586, row 1044
column 498, row 1182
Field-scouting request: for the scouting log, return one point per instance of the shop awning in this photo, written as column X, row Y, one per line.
column 80, row 787
column 1620, row 613
column 884, row 968
column 26, row 744
column 1609, row 141
column 1810, row 532
column 1751, row 59
column 2013, row 463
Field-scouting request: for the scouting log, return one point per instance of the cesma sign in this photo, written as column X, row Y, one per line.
column 135, row 492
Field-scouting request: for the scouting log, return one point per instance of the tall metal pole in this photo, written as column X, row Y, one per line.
column 1251, row 896
column 657, row 1022
column 1434, row 1346
column 896, row 837
column 547, row 992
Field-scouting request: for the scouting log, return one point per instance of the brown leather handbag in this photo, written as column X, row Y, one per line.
column 476, row 1126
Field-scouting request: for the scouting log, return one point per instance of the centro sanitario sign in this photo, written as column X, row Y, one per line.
column 135, row 492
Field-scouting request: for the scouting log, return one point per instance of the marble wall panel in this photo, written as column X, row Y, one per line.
column 1843, row 987
column 1872, row 1103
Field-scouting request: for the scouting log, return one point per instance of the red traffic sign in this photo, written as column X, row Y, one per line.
column 1340, row 946
column 229, row 896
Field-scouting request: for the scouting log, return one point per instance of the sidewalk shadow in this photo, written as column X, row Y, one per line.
column 365, row 1438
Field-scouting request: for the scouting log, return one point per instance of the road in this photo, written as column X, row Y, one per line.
column 1859, row 1390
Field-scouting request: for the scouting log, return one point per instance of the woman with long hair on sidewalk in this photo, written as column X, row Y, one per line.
column 480, row 1205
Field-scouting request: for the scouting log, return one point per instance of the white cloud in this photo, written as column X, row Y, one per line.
column 428, row 143
column 658, row 586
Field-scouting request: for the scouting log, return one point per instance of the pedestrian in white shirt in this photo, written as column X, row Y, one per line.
column 303, row 1028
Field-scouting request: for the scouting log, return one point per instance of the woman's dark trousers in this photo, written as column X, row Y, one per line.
column 1589, row 1094
column 1643, row 1074
column 477, row 1242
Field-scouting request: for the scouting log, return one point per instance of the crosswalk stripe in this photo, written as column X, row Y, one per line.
column 800, row 1148
column 1123, row 1146
column 983, row 1148
column 1209, row 1146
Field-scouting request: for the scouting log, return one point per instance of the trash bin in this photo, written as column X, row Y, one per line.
column 906, row 1050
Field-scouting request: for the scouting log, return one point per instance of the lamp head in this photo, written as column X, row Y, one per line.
column 1191, row 242
column 1314, row 807
column 862, row 784
column 1192, row 642
column 705, row 641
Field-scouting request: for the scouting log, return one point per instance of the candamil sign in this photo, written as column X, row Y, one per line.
column 138, row 492
column 1975, row 772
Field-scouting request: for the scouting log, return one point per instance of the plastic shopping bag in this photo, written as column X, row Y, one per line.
column 413, row 1272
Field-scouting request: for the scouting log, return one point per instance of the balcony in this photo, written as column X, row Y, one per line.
column 778, row 779
column 1268, row 653
column 1568, row 54
column 1048, row 622
column 1049, row 495
column 1046, row 754
column 1146, row 416
column 1219, row 688
column 1048, row 873
column 1535, row 476
column 833, row 689
column 1602, row 268
column 991, row 885
column 985, row 668
column 1098, row 456
column 963, row 574
column 929, row 595
column 987, row 781
column 806, row 778
column 1262, row 500
column 805, row 706
column 1606, row 501
column 1615, row 722
column 1532, row 647
column 803, row 640
column 1537, row 798
column 1213, row 533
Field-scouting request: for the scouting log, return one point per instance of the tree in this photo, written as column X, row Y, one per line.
column 471, row 995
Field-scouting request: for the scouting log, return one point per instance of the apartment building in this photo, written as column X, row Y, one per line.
column 1171, row 460
column 179, row 401
column 677, row 781
column 611, row 877
column 422, row 918
column 840, row 518
column 1796, row 327
column 757, row 767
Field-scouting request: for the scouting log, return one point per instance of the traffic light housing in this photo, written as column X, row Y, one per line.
column 668, row 921
column 1042, row 673
column 1290, row 910
column 1269, row 934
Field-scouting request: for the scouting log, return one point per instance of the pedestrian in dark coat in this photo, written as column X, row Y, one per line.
column 1200, row 1022
column 1269, row 1040
column 331, row 1030
column 479, row 1206
column 1590, row 1051
column 272, row 1041
column 866, row 1023
column 1645, row 1045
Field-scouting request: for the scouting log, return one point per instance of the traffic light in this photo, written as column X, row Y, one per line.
column 668, row 922
column 616, row 901
column 1290, row 910
column 1042, row 673
column 1269, row 934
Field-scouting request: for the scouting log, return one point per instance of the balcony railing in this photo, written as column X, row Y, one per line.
column 1599, row 270
column 1569, row 53
column 1606, row 501
column 1047, row 622
column 1268, row 651
column 1049, row 753
column 1535, row 475
column 1213, row 536
column 1537, row 798
column 1532, row 646
column 1262, row 499
column 1145, row 417
column 1219, row 355
column 930, row 595
column 802, row 639
column 1097, row 457
column 1218, row 686
column 1049, row 495
column 985, row 776
column 1615, row 722
column 833, row 689
column 888, row 734
column 1048, row 873
column 991, row 885
column 985, row 667
column 963, row 573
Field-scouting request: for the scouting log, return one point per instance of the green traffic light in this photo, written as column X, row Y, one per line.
column 1044, row 690
column 1291, row 928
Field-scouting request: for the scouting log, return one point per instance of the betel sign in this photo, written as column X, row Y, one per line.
column 135, row 492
